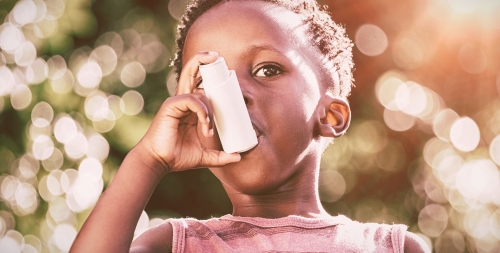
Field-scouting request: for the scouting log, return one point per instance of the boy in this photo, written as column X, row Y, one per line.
column 295, row 85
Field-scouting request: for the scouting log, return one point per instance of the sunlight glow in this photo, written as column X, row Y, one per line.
column 463, row 6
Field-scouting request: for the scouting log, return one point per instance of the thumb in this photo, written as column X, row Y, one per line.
column 216, row 158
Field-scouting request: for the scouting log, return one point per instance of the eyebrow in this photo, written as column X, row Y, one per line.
column 257, row 48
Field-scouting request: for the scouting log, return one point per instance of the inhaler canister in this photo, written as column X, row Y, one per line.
column 230, row 112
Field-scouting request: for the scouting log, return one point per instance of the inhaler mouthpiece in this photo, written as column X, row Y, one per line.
column 230, row 112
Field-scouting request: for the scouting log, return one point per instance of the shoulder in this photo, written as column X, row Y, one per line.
column 415, row 244
column 156, row 239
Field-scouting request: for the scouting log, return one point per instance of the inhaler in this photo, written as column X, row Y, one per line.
column 230, row 112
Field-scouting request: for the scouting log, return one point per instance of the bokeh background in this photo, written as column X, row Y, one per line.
column 81, row 80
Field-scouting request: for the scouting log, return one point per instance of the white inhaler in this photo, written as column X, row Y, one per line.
column 230, row 112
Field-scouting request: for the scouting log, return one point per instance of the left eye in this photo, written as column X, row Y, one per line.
column 268, row 71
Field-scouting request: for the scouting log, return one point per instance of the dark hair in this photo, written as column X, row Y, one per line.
column 329, row 37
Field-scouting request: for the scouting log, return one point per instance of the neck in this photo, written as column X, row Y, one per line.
column 292, row 200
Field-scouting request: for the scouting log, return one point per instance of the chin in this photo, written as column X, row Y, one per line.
column 250, row 176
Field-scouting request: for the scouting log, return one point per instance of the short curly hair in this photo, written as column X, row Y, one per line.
column 329, row 37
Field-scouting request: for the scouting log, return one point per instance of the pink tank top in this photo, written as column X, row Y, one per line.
column 289, row 234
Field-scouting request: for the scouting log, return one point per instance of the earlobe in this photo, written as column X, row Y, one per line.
column 335, row 117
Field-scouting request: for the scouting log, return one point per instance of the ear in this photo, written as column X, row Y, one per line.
column 334, row 117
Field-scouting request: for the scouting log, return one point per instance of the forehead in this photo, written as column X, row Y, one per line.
column 234, row 25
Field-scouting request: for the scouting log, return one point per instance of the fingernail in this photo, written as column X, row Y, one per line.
column 208, row 119
column 211, row 132
column 212, row 53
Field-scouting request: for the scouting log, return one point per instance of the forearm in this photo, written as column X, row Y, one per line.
column 111, row 224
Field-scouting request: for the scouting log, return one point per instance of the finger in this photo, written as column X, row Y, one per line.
column 180, row 106
column 216, row 158
column 203, row 98
column 188, row 77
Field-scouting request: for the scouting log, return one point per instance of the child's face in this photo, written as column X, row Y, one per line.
column 278, row 71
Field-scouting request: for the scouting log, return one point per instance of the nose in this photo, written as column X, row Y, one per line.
column 246, row 89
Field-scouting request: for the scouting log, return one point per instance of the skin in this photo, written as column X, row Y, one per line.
column 291, row 111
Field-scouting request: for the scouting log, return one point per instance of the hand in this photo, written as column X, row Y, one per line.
column 173, row 139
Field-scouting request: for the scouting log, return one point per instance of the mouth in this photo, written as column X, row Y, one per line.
column 257, row 130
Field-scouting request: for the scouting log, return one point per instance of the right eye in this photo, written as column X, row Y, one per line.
column 269, row 70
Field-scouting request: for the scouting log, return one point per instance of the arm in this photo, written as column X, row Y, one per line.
column 110, row 227
column 172, row 143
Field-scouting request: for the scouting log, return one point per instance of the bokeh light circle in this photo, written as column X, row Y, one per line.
column 106, row 57
column 464, row 134
column 20, row 97
column 57, row 67
column 433, row 220
column 397, row 120
column 64, row 235
column 25, row 54
column 54, row 161
column 10, row 37
column 77, row 146
column 42, row 114
column 176, row 8
column 408, row 52
column 371, row 40
column 411, row 98
column 90, row 169
column 331, row 185
column 134, row 102
column 90, row 75
column 98, row 147
column 43, row 146
column 385, row 89
column 24, row 12
column 7, row 81
column 37, row 72
column 133, row 74
column 472, row 58
column 65, row 129
column 443, row 122
column 495, row 149
column 478, row 179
